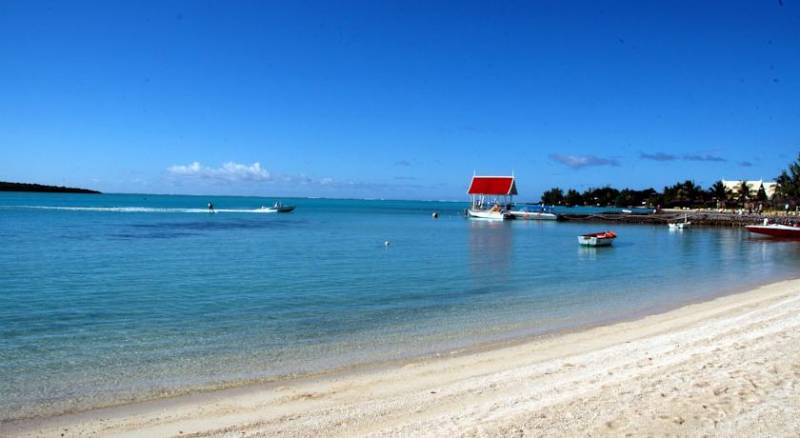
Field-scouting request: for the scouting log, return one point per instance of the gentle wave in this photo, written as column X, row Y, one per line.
column 145, row 209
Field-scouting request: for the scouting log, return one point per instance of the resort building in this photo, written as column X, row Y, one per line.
column 770, row 187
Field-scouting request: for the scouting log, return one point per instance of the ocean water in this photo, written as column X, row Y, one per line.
column 112, row 298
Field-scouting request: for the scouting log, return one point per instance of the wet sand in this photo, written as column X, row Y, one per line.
column 730, row 366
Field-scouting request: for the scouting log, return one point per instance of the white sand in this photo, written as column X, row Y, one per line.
column 725, row 367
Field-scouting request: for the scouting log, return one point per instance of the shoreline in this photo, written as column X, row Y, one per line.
column 307, row 405
column 513, row 338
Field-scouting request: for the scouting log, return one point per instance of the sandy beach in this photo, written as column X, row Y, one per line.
column 727, row 367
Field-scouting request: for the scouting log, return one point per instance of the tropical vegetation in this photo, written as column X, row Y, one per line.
column 685, row 194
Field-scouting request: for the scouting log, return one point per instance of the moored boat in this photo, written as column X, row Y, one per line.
column 680, row 226
column 489, row 214
column 676, row 226
column 527, row 214
column 603, row 238
column 492, row 197
column 775, row 230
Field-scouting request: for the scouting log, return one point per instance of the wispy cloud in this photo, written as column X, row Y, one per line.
column 692, row 157
column 661, row 156
column 581, row 161
column 293, row 179
column 658, row 156
column 229, row 171
column 234, row 177
column 745, row 164
column 403, row 163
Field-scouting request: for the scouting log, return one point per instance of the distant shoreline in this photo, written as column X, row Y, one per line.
column 41, row 188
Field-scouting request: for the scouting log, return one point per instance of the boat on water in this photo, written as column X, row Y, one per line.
column 496, row 213
column 540, row 214
column 278, row 207
column 679, row 226
column 492, row 197
column 603, row 238
column 775, row 230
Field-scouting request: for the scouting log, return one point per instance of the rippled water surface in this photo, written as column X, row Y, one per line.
column 118, row 297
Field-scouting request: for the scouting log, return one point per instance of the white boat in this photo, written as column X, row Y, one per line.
column 490, row 214
column 533, row 215
column 492, row 197
column 541, row 215
column 679, row 226
column 775, row 230
column 604, row 238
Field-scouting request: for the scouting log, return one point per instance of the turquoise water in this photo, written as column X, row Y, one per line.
column 111, row 298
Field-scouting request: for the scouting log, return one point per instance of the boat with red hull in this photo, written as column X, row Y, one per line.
column 776, row 230
column 604, row 238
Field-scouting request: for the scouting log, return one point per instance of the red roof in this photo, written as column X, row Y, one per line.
column 492, row 185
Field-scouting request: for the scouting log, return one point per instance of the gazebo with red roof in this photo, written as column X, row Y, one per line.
column 496, row 188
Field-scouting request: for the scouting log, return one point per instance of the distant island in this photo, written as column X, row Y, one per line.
column 23, row 187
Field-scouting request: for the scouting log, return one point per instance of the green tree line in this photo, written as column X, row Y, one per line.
column 685, row 194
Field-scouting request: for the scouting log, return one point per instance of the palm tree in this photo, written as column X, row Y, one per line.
column 682, row 194
column 789, row 182
column 720, row 192
column 554, row 196
column 692, row 192
column 573, row 197
column 794, row 170
column 784, row 182
column 744, row 192
column 761, row 196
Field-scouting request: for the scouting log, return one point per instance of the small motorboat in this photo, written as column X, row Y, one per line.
column 278, row 207
column 489, row 214
column 492, row 197
column 604, row 238
column 284, row 208
column 494, row 213
column 775, row 230
column 533, row 215
column 540, row 214
column 679, row 226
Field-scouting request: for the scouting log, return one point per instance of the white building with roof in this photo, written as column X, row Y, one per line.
column 770, row 187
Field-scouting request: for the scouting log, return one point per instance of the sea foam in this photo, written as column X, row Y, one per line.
column 145, row 209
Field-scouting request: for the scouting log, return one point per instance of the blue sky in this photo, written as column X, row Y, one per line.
column 395, row 99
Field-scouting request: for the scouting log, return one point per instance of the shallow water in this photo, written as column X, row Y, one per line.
column 106, row 298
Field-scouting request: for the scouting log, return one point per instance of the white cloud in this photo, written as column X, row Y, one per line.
column 580, row 161
column 229, row 171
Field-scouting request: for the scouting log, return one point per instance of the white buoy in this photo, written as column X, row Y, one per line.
column 387, row 243
column 435, row 215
